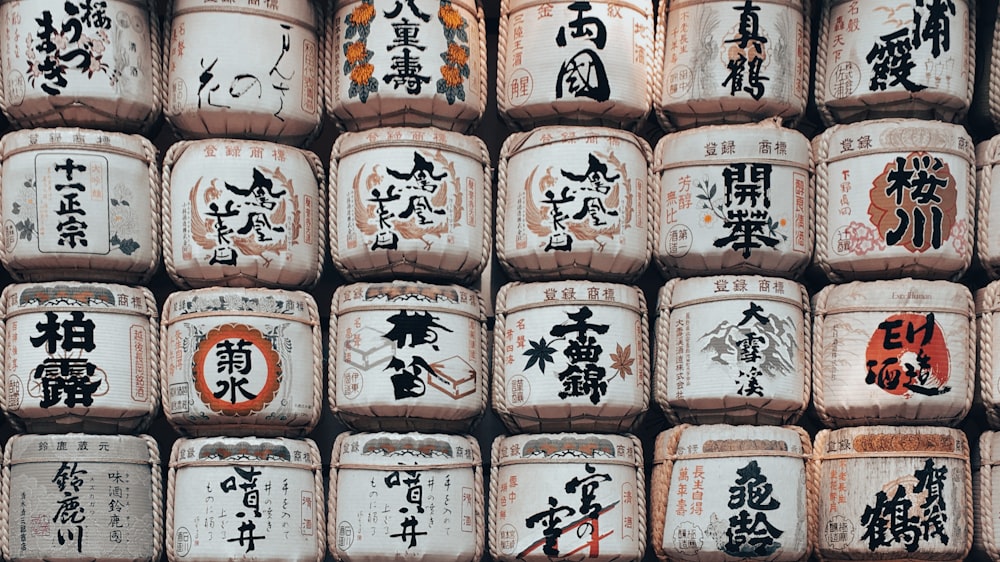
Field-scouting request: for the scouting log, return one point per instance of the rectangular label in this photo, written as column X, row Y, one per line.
column 73, row 203
column 140, row 374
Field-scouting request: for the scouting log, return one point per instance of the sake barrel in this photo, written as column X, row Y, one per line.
column 893, row 493
column 988, row 210
column 880, row 59
column 81, row 63
column 427, row 489
column 410, row 203
column 985, row 108
column 79, row 204
column 556, row 66
column 559, row 494
column 61, row 373
column 384, row 64
column 82, row 497
column 898, row 352
column 243, row 68
column 984, row 478
column 731, row 62
column 988, row 368
column 570, row 356
column 732, row 349
column 894, row 198
column 248, row 498
column 242, row 362
column 734, row 199
column 243, row 213
column 724, row 492
column 573, row 203
column 407, row 356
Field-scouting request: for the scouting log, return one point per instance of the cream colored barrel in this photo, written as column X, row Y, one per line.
column 425, row 491
column 82, row 497
column 241, row 362
column 79, row 204
column 734, row 199
column 731, row 62
column 570, row 356
column 410, row 203
column 985, row 478
column 407, row 356
column 899, row 352
column 988, row 206
column 244, row 68
column 732, row 349
column 567, row 495
column 723, row 492
column 575, row 63
column 79, row 357
column 384, row 64
column 894, row 198
column 893, row 493
column 878, row 59
column 81, row 63
column 987, row 368
column 574, row 202
column 243, row 213
column 232, row 498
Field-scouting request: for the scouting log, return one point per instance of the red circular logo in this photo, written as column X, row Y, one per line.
column 908, row 355
column 236, row 370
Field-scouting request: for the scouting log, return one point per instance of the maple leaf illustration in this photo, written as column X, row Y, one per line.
column 539, row 353
column 622, row 360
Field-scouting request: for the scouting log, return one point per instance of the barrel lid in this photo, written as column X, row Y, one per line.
column 516, row 297
column 396, row 295
column 352, row 143
column 892, row 441
column 297, row 12
column 377, row 450
column 222, row 301
column 227, row 451
column 722, row 440
column 22, row 298
column 645, row 8
column 881, row 136
column 82, row 447
column 907, row 295
column 73, row 138
column 562, row 135
column 764, row 142
column 560, row 448
column 701, row 290
column 218, row 150
column 470, row 5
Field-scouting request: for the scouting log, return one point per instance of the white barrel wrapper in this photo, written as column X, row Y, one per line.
column 80, row 357
column 242, row 362
column 427, row 489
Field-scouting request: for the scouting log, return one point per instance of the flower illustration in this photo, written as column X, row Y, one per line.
column 357, row 64
column 456, row 58
column 362, row 15
column 362, row 74
column 451, row 76
column 449, row 16
column 356, row 52
column 457, row 55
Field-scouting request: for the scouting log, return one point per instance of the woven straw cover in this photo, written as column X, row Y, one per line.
column 533, row 474
column 705, row 366
column 862, row 233
column 408, row 357
column 698, row 469
column 118, row 84
column 243, row 213
column 410, row 203
column 451, row 521
column 79, row 204
column 241, row 362
column 111, row 332
column 244, row 69
column 898, row 352
column 706, row 67
column 287, row 471
column 367, row 83
column 856, row 79
column 858, row 472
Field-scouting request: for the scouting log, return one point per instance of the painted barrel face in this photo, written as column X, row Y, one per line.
column 734, row 350
column 386, row 64
column 731, row 492
column 408, row 356
column 734, row 199
column 731, row 61
column 893, row 351
column 243, row 213
column 894, row 198
column 576, row 204
column 242, row 362
column 588, row 485
column 79, row 204
column 238, row 497
column 410, row 203
column 81, row 64
column 80, row 357
column 105, row 503
column 866, row 474
column 429, row 486
column 570, row 356
column 244, row 69
column 583, row 78
column 895, row 59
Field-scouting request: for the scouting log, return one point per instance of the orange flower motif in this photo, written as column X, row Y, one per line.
column 451, row 76
column 450, row 16
column 457, row 54
column 363, row 14
column 361, row 74
column 356, row 52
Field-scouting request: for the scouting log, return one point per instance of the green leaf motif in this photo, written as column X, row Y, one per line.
column 128, row 246
column 25, row 229
column 540, row 353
